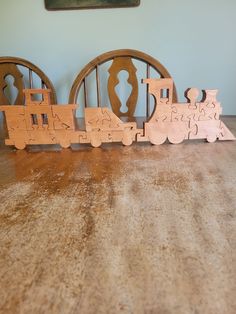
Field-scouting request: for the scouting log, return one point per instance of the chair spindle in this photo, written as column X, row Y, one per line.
column 98, row 87
column 85, row 94
column 30, row 78
column 147, row 93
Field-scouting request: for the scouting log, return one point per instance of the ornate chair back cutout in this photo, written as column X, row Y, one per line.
column 121, row 60
column 17, row 74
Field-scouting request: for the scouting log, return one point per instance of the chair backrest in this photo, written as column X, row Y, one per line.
column 17, row 74
column 121, row 60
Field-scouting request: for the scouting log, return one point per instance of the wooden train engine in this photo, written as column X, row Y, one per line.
column 179, row 121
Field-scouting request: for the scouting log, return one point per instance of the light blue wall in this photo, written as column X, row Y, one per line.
column 194, row 39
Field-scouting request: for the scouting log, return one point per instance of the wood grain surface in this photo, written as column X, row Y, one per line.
column 140, row 229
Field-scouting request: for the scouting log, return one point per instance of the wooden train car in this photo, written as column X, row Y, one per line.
column 38, row 122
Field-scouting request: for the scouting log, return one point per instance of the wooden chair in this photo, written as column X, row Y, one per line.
column 120, row 60
column 17, row 74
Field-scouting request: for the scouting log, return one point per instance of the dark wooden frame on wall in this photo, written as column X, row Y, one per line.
column 88, row 4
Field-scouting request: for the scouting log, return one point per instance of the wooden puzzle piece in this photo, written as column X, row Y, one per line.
column 14, row 116
column 210, row 97
column 225, row 133
column 161, row 89
column 63, row 117
column 82, row 137
column 37, row 97
column 192, row 95
column 104, row 127
column 209, row 131
column 181, row 112
column 158, row 133
column 101, row 118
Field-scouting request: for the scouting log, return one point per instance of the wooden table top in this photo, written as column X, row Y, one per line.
column 139, row 229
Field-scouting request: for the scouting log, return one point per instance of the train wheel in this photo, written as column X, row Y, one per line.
column 127, row 140
column 176, row 138
column 96, row 142
column 211, row 138
column 65, row 143
column 20, row 144
column 158, row 139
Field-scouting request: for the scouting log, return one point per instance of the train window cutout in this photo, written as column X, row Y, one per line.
column 40, row 122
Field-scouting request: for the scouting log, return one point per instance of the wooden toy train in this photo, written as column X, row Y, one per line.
column 40, row 122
